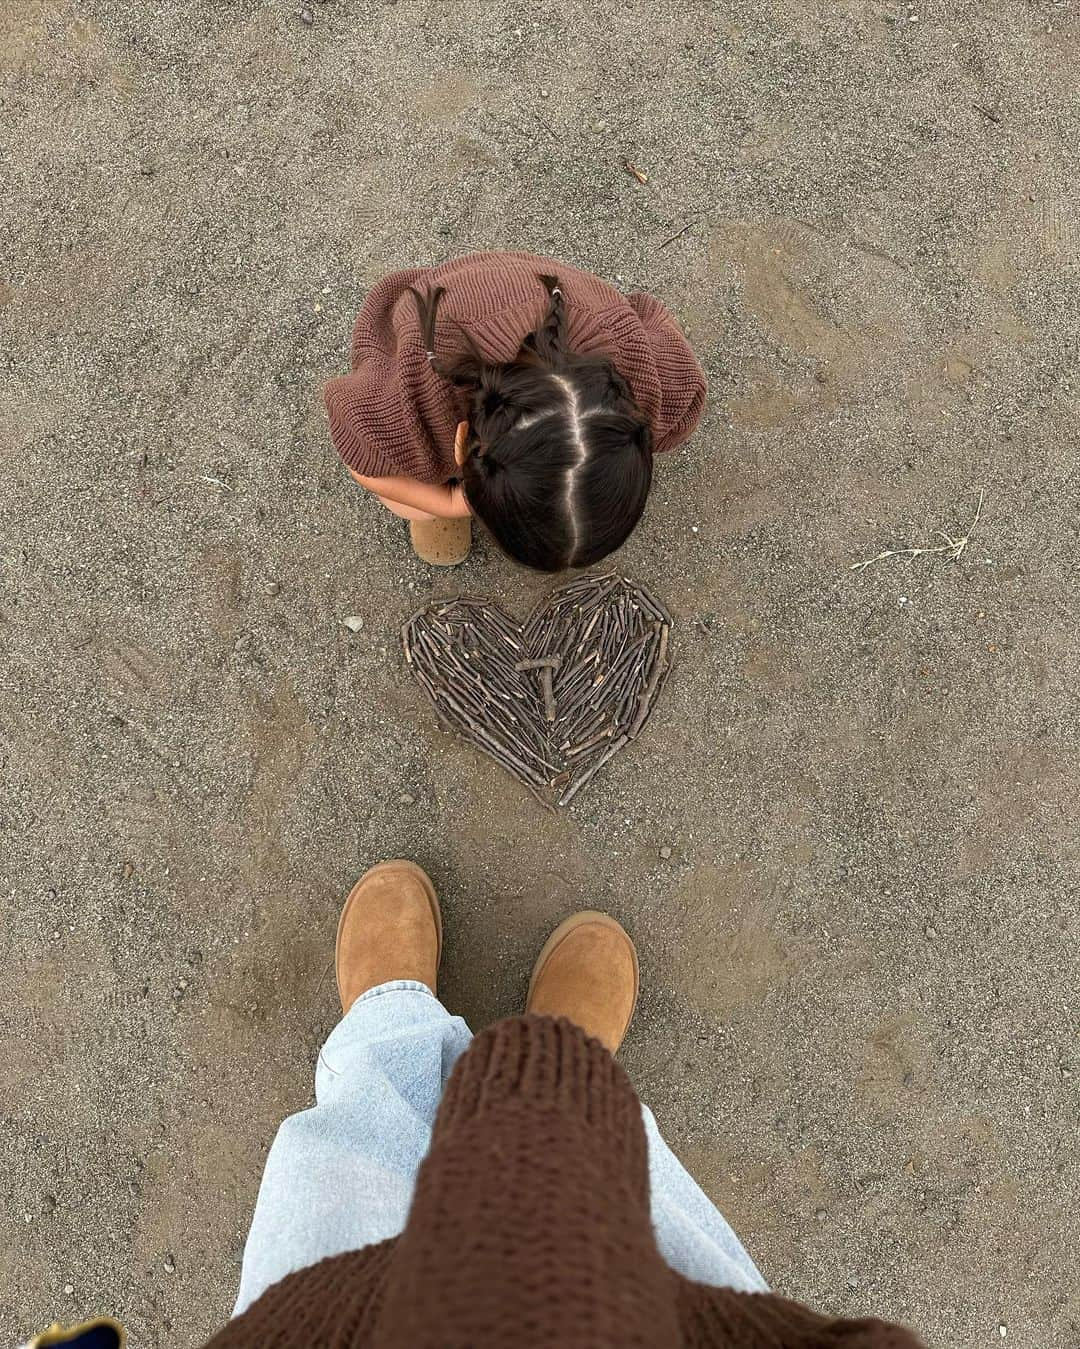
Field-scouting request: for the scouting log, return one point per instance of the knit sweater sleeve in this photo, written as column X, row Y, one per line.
column 530, row 1223
column 390, row 415
column 682, row 380
column 350, row 399
column 720, row 1318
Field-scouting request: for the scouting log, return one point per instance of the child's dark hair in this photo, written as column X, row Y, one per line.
column 559, row 458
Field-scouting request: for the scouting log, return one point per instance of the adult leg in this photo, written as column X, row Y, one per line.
column 340, row 1175
column 693, row 1235
column 588, row 972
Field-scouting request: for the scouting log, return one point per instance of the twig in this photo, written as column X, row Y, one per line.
column 955, row 547
column 672, row 237
column 588, row 776
column 545, row 663
column 991, row 116
column 214, row 482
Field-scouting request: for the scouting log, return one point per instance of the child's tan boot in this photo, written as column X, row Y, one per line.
column 588, row 972
column 442, row 542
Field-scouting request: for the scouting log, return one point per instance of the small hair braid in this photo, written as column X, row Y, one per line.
column 465, row 373
column 549, row 340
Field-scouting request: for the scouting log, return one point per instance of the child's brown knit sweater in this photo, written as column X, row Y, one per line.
column 393, row 415
column 530, row 1227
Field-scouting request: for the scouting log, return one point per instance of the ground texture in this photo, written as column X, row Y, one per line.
column 860, row 973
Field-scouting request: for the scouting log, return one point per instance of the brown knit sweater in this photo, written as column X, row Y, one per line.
column 393, row 415
column 530, row 1227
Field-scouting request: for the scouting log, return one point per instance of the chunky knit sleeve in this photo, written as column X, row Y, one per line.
column 353, row 403
column 720, row 1318
column 530, row 1224
column 682, row 380
column 390, row 415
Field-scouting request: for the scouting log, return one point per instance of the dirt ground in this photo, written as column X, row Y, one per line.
column 859, row 1019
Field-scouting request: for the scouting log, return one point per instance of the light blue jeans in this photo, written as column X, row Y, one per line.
column 340, row 1175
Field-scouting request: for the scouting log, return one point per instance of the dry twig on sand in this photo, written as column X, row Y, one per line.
column 954, row 547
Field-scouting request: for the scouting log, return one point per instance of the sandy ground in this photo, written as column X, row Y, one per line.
column 859, row 1021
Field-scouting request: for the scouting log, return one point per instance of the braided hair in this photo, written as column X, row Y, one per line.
column 559, row 456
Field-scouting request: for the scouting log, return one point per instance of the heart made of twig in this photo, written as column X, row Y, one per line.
column 553, row 699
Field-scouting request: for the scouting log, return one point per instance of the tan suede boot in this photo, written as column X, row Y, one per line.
column 588, row 972
column 390, row 928
column 442, row 542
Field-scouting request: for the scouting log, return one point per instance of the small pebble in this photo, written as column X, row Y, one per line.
column 307, row 17
column 69, row 1289
column 48, row 1203
column 1003, row 1330
column 272, row 588
column 242, row 643
column 597, row 127
column 354, row 622
column 170, row 1265
column 406, row 800
column 852, row 1282
column 129, row 871
column 820, row 1214
column 665, row 853
column 545, row 93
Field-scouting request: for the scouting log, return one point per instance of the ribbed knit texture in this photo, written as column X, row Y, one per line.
column 530, row 1227
column 394, row 415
